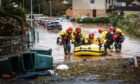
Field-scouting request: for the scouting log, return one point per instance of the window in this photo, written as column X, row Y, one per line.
column 92, row 1
column 106, row 1
column 109, row 1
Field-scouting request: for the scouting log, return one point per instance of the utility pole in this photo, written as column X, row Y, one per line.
column 23, row 4
column 50, row 2
column 39, row 8
column 0, row 3
column 31, row 15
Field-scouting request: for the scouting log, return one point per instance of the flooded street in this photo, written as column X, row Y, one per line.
column 47, row 39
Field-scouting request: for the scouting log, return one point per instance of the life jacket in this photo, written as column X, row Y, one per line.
column 117, row 37
column 77, row 36
column 66, row 36
column 109, row 36
column 90, row 40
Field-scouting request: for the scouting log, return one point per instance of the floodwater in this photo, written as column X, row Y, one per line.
column 47, row 39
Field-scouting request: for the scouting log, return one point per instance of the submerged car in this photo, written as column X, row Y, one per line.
column 54, row 25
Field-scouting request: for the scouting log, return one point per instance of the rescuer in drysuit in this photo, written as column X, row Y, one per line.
column 65, row 38
column 78, row 37
column 90, row 39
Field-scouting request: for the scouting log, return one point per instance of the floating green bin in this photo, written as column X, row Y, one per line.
column 42, row 51
column 15, row 64
column 43, row 61
column 5, row 66
column 27, row 60
column 10, row 65
column 31, row 61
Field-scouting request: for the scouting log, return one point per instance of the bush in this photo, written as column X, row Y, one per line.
column 18, row 12
column 101, row 20
column 132, row 16
column 96, row 20
column 104, row 20
column 77, row 20
column 88, row 20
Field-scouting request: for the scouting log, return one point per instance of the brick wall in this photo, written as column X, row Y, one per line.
column 82, row 12
column 88, row 12
column 100, row 12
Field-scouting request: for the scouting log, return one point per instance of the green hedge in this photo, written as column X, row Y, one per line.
column 91, row 20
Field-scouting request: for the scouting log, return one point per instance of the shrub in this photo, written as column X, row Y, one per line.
column 132, row 16
column 88, row 20
column 77, row 19
column 104, row 19
column 19, row 12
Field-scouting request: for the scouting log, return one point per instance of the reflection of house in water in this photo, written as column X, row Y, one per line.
column 91, row 8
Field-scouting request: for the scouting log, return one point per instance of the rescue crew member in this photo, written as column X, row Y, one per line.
column 90, row 39
column 78, row 37
column 65, row 36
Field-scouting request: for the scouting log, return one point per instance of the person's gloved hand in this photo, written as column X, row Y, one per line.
column 57, row 41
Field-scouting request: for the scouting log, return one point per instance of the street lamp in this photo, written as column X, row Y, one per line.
column 39, row 8
column 23, row 4
column 31, row 14
column 0, row 3
column 50, row 2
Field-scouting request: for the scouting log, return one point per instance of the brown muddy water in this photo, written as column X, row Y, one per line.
column 47, row 39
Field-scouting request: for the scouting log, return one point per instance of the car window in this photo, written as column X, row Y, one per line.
column 54, row 23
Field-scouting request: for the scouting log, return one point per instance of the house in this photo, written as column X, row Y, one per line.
column 91, row 8
column 133, row 8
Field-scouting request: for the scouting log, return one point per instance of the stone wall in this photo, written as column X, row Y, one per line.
column 82, row 12
column 100, row 12
column 88, row 12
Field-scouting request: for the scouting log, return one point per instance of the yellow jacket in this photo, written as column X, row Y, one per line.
column 87, row 40
column 79, row 36
column 65, row 36
column 101, row 37
column 120, row 31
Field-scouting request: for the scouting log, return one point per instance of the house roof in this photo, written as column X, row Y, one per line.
column 136, row 2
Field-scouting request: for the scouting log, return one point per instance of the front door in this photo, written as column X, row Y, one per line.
column 94, row 13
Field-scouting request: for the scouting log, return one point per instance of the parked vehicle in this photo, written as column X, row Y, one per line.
column 54, row 25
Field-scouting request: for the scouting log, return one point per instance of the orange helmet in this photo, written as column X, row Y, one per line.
column 91, row 35
column 100, row 30
column 78, row 29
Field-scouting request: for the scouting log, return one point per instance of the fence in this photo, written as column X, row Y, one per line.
column 11, row 45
